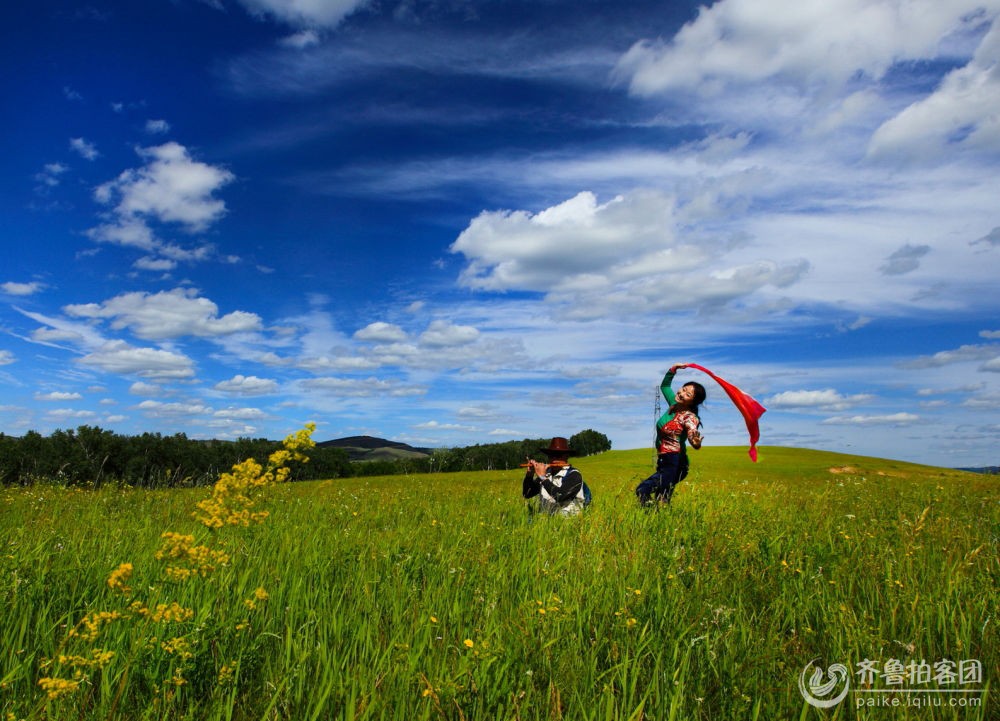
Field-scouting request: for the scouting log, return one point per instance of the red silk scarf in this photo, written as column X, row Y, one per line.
column 747, row 406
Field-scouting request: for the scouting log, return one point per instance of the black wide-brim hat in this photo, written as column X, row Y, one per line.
column 560, row 446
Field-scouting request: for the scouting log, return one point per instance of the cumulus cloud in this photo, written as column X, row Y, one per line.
column 50, row 176
column 241, row 385
column 58, row 396
column 904, row 260
column 157, row 127
column 613, row 257
column 6, row 358
column 827, row 400
column 167, row 314
column 123, row 359
column 380, row 332
column 86, row 149
column 159, row 265
column 12, row 288
column 66, row 414
column 240, row 414
column 894, row 419
column 361, row 388
column 820, row 41
column 443, row 334
column 159, row 408
column 144, row 389
column 171, row 187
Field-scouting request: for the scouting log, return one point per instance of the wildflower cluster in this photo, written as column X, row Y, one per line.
column 232, row 503
column 187, row 558
column 119, row 578
column 234, row 495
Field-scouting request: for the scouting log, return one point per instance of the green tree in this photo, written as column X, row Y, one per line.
column 589, row 442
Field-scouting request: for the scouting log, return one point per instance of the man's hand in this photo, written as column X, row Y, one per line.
column 538, row 467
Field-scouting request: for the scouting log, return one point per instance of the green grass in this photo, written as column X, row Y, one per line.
column 437, row 596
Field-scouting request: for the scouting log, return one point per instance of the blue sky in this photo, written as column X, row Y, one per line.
column 449, row 223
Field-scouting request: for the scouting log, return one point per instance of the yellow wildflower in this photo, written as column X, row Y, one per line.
column 165, row 613
column 118, row 578
column 226, row 673
column 56, row 687
column 469, row 643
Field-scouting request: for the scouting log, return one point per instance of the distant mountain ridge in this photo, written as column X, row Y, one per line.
column 370, row 448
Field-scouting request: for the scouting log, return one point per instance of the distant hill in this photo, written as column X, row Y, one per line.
column 369, row 448
column 992, row 470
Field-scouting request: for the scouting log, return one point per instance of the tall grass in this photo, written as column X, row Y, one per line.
column 439, row 596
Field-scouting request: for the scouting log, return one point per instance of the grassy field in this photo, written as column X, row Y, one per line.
column 438, row 597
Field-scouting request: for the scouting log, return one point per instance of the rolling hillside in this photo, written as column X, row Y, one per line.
column 369, row 448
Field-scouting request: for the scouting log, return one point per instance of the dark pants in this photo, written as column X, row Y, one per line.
column 671, row 468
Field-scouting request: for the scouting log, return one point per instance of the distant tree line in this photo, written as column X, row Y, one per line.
column 91, row 456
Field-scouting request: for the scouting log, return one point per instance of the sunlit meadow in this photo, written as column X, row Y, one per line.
column 439, row 597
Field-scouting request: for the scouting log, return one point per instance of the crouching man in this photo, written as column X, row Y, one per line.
column 560, row 486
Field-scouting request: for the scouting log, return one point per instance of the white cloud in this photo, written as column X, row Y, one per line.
column 121, row 358
column 58, row 330
column 241, row 385
column 170, row 188
column 815, row 41
column 12, row 288
column 304, row 13
column 361, row 388
column 127, row 232
column 301, row 40
column 6, row 358
column 159, row 265
column 963, row 113
column 990, row 334
column 86, row 149
column 241, row 414
column 963, row 354
column 614, row 258
column 157, row 127
column 144, row 389
column 65, row 414
column 992, row 365
column 380, row 332
column 58, row 396
column 50, row 176
column 828, row 400
column 894, row 419
column 158, row 408
column 443, row 334
column 167, row 314
column 506, row 433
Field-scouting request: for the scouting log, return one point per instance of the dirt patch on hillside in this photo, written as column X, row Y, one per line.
column 855, row 470
column 843, row 469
